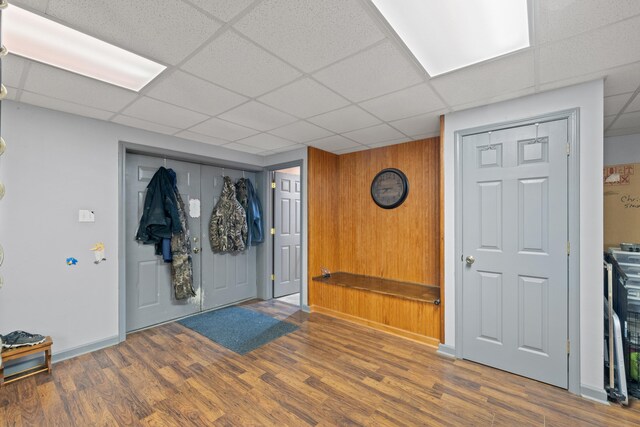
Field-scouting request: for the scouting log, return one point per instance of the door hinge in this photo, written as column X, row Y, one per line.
column 568, row 248
column 273, row 184
column 568, row 149
column 273, row 277
column 568, row 347
column 273, row 231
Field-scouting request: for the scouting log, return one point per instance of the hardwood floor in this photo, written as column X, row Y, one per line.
column 329, row 372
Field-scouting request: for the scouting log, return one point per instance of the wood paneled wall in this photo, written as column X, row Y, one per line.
column 401, row 243
column 322, row 213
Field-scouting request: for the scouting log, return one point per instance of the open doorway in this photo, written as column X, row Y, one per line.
column 287, row 235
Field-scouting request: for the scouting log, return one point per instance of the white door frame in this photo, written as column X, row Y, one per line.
column 573, row 177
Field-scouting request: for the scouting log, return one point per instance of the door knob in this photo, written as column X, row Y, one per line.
column 470, row 260
column 196, row 250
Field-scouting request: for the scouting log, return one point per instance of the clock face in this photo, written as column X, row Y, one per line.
column 389, row 188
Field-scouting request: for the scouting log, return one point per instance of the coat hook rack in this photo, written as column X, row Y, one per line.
column 165, row 162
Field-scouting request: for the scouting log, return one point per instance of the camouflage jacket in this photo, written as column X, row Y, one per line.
column 182, row 265
column 228, row 224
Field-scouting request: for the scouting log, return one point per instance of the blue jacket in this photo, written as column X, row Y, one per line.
column 249, row 200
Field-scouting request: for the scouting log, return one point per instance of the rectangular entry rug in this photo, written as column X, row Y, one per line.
column 238, row 329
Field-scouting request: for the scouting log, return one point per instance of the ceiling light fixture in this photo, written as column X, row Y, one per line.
column 35, row 37
column 452, row 34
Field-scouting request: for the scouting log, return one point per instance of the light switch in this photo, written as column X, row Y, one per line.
column 85, row 215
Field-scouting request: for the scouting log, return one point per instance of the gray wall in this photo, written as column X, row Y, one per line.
column 55, row 164
column 620, row 150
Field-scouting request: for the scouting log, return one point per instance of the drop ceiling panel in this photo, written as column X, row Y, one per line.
column 67, row 107
column 304, row 98
column 143, row 124
column 559, row 19
column 374, row 134
column 239, row 65
column 489, row 79
column 404, row 103
column 613, row 104
column 34, row 5
column 222, row 129
column 608, row 47
column 352, row 149
column 634, row 106
column 345, row 119
column 289, row 148
column 377, row 71
column 196, row 94
column 311, row 34
column 11, row 93
column 244, row 148
column 57, row 83
column 257, row 116
column 301, row 132
column 12, row 69
column 621, row 132
column 334, row 143
column 224, row 10
column 266, row 142
column 622, row 79
column 607, row 121
column 162, row 113
column 420, row 125
column 628, row 120
column 164, row 30
column 193, row 136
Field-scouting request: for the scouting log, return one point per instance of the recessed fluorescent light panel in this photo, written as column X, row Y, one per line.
column 446, row 35
column 35, row 37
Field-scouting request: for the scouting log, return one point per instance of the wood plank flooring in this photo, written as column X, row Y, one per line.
column 329, row 372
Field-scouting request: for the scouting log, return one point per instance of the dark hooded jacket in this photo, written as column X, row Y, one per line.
column 251, row 203
column 228, row 224
column 160, row 218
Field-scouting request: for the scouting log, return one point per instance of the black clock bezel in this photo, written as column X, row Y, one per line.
column 405, row 188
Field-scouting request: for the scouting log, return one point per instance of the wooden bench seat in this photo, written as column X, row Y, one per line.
column 20, row 352
column 411, row 310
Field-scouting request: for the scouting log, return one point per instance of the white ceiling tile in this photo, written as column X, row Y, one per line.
column 622, row 79
column 387, row 143
column 237, row 64
column 311, row 34
column 493, row 100
column 300, row 132
column 67, row 107
column 558, row 19
column 613, row 104
column 634, row 106
column 222, row 129
column 352, row 149
column 405, row 103
column 621, row 132
column 165, row 30
column 143, row 124
column 266, row 142
column 162, row 113
column 601, row 49
column 345, row 119
column 196, row 94
column 257, row 116
column 224, row 10
column 289, row 148
column 374, row 72
column 186, row 134
column 374, row 134
column 12, row 93
column 607, row 121
column 487, row 79
column 68, row 86
column 425, row 124
column 244, row 148
column 34, row 5
column 304, row 98
column 333, row 143
column 13, row 67
column 627, row 120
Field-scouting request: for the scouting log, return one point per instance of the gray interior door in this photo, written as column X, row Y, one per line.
column 287, row 244
column 514, row 220
column 226, row 278
column 150, row 297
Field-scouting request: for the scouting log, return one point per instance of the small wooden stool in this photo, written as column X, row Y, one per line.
column 19, row 352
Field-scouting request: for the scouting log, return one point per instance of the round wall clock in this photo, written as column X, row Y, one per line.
column 389, row 188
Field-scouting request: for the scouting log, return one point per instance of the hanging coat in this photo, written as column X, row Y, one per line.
column 249, row 200
column 160, row 218
column 228, row 224
column 181, row 262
